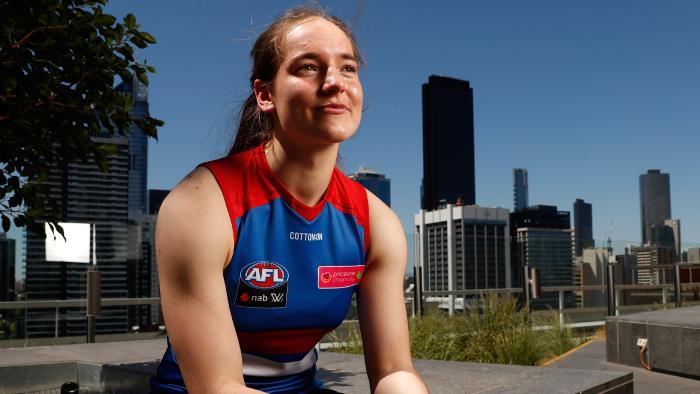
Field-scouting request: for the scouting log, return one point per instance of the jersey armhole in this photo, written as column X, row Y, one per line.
column 217, row 169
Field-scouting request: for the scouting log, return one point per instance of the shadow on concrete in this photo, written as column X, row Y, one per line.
column 338, row 379
column 127, row 378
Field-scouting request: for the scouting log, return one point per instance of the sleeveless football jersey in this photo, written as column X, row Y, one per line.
column 292, row 275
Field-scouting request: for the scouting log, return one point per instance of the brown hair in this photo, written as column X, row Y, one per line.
column 255, row 127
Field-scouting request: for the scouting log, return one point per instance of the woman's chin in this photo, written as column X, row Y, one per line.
column 333, row 135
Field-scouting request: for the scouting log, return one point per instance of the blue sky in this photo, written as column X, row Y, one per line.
column 585, row 95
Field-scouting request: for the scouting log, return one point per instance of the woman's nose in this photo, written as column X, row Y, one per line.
column 333, row 81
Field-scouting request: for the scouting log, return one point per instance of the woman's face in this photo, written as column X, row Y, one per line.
column 316, row 93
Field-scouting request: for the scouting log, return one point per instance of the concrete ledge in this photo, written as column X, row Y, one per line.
column 345, row 373
column 673, row 340
column 125, row 367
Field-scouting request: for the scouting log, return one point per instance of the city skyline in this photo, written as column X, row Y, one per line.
column 585, row 96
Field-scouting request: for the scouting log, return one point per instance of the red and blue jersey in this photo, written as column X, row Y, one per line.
column 292, row 275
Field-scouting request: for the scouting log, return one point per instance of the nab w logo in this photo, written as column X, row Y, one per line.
column 277, row 297
column 264, row 275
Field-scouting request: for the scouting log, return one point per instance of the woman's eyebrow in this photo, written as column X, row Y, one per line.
column 316, row 56
column 305, row 56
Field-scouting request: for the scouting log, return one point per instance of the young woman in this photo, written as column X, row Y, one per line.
column 259, row 252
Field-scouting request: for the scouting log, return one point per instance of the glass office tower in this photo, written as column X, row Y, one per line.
column 583, row 226
column 654, row 201
column 520, row 189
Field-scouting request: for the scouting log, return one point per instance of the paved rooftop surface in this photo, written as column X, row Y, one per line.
column 342, row 372
column 592, row 357
column 688, row 316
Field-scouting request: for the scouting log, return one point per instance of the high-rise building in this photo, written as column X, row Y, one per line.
column 593, row 272
column 675, row 226
column 114, row 202
column 694, row 255
column 138, row 265
column 142, row 273
column 375, row 182
column 625, row 269
column 647, row 256
column 691, row 275
column 7, row 268
column 138, row 147
column 448, row 143
column 143, row 269
column 577, row 279
column 463, row 248
column 541, row 238
column 87, row 195
column 654, row 201
column 520, row 189
column 155, row 199
column 583, row 226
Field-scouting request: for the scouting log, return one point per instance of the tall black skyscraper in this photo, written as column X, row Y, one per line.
column 583, row 226
column 448, row 142
column 520, row 189
column 654, row 201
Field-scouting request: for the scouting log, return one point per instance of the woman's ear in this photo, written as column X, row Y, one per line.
column 263, row 95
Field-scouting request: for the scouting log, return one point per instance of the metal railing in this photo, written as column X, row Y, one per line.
column 611, row 293
column 664, row 293
column 579, row 316
column 57, row 305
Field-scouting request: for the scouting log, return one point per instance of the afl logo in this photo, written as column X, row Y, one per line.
column 264, row 275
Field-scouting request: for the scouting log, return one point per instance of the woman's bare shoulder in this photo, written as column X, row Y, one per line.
column 197, row 195
column 194, row 214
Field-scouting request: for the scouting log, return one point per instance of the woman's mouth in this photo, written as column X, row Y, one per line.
column 333, row 108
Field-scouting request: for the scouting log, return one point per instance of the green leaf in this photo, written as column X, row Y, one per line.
column 138, row 41
column 20, row 221
column 104, row 20
column 147, row 37
column 15, row 200
column 108, row 149
column 13, row 182
column 60, row 231
column 5, row 223
column 143, row 78
column 130, row 20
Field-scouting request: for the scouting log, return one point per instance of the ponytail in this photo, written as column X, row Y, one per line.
column 254, row 127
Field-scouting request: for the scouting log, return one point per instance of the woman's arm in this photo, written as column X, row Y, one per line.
column 193, row 243
column 382, row 310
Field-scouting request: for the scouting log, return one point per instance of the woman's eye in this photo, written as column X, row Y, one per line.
column 349, row 69
column 307, row 67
